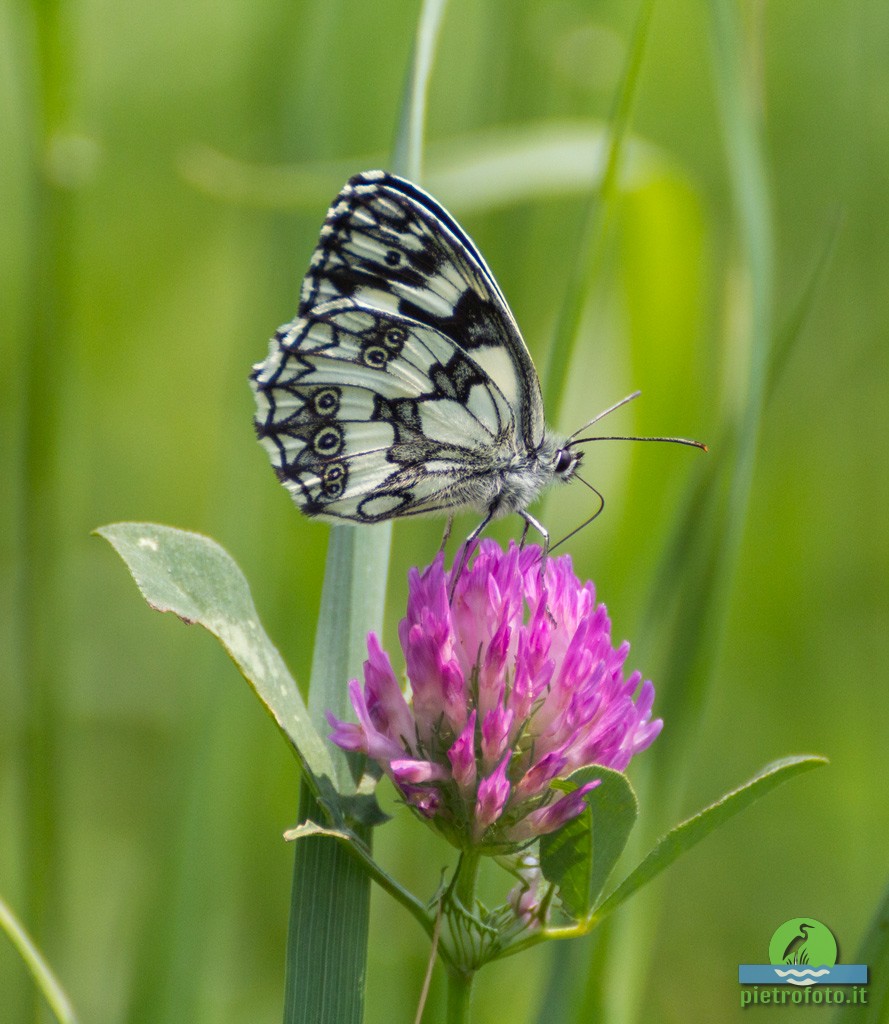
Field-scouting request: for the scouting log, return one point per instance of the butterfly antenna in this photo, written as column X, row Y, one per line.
column 586, row 522
column 634, row 437
column 602, row 415
column 574, row 439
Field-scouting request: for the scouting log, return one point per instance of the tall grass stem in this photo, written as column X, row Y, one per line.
column 330, row 903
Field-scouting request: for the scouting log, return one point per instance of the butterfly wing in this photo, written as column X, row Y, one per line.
column 390, row 245
column 368, row 414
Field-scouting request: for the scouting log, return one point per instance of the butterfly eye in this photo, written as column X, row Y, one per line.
column 328, row 441
column 565, row 461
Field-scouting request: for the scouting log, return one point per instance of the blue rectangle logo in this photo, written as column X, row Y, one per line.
column 771, row 974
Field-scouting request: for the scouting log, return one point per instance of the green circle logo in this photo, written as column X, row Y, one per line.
column 803, row 941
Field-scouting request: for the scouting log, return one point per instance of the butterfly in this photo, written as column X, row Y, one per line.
column 403, row 386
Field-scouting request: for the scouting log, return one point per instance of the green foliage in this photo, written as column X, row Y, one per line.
column 327, row 930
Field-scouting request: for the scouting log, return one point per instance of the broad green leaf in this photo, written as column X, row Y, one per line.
column 566, row 859
column 580, row 856
column 615, row 810
column 193, row 577
column 690, row 832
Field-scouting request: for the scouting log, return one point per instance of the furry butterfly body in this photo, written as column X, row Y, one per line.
column 403, row 387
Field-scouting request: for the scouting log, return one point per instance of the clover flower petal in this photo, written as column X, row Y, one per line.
column 514, row 684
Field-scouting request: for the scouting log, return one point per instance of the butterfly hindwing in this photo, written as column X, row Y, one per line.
column 389, row 245
column 368, row 414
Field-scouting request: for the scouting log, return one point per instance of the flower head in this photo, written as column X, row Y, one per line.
column 514, row 685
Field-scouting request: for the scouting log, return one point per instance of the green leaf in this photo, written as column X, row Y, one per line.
column 690, row 832
column 193, row 577
column 873, row 951
column 566, row 860
column 581, row 855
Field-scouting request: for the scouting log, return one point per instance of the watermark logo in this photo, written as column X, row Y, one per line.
column 803, row 953
column 799, row 944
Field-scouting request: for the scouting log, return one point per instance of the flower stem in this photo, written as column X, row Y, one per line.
column 466, row 878
column 459, row 996
column 461, row 978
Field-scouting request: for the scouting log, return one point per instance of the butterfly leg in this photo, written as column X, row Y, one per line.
column 447, row 534
column 467, row 550
column 524, row 534
column 542, row 530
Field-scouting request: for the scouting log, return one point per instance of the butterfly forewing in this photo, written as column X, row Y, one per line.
column 368, row 414
column 390, row 246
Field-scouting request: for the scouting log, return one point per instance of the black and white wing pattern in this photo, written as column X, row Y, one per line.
column 370, row 415
column 389, row 244
column 403, row 386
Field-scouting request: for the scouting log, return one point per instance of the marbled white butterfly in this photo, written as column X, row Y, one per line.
column 403, row 386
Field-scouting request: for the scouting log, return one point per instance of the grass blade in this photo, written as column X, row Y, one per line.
column 794, row 324
column 40, row 970
column 330, row 896
column 327, row 931
column 873, row 951
column 407, row 153
column 701, row 575
column 596, row 221
column 700, row 567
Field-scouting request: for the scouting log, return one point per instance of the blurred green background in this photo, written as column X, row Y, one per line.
column 165, row 171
